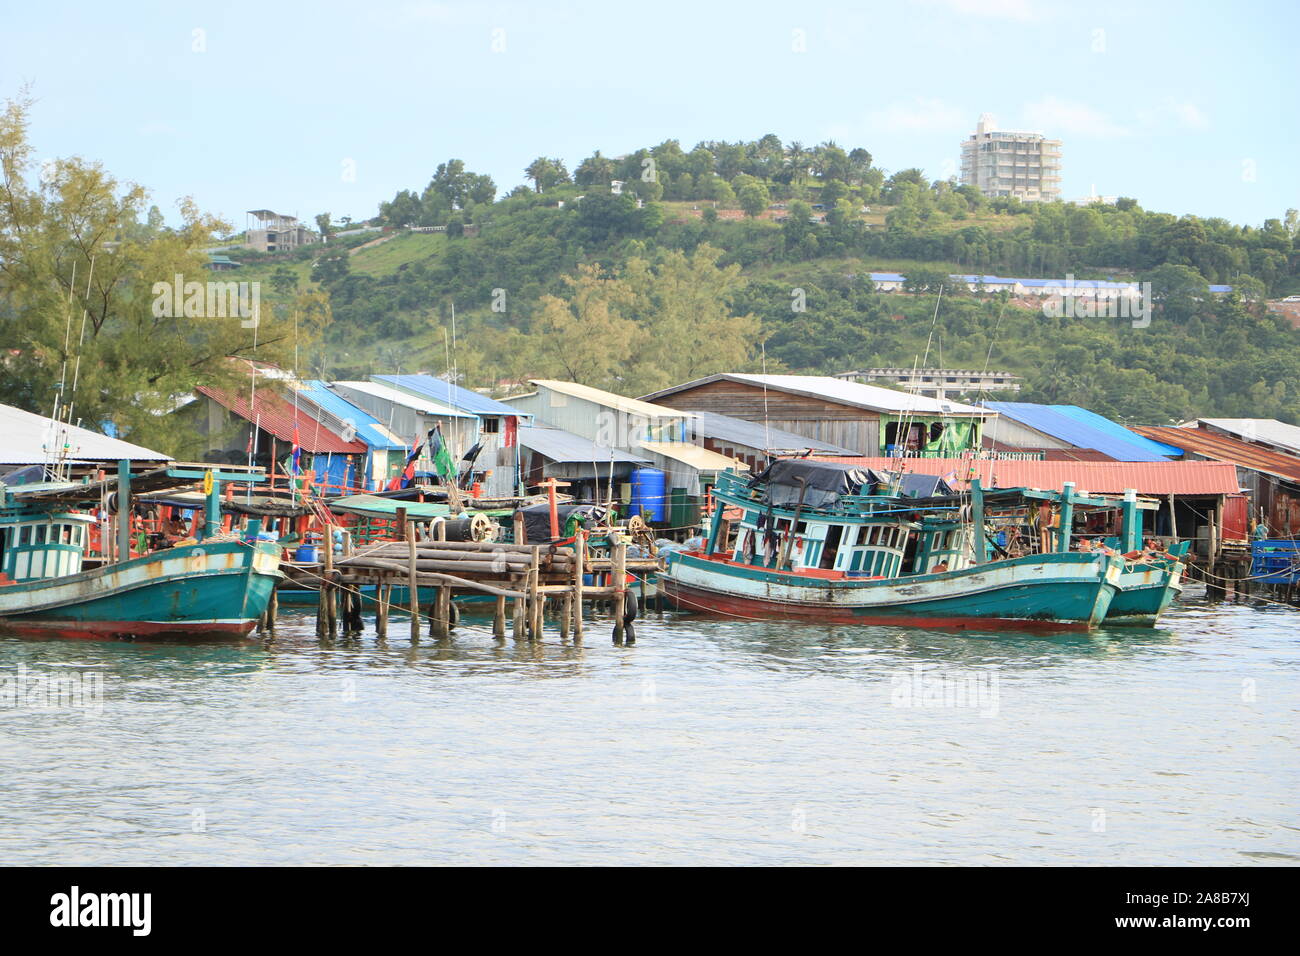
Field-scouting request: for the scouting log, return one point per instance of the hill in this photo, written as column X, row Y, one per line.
column 820, row 228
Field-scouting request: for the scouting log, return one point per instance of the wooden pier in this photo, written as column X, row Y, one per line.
column 523, row 581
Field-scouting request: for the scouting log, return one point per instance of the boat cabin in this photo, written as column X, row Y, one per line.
column 42, row 545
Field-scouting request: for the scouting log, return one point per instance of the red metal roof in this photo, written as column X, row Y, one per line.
column 1098, row 477
column 275, row 415
column 1222, row 447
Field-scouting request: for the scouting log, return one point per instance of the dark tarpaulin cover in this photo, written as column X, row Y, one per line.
column 537, row 519
column 923, row 486
column 825, row 481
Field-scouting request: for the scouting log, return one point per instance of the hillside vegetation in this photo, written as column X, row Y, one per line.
column 775, row 242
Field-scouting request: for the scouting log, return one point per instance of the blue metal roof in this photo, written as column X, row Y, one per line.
column 1084, row 429
column 459, row 398
column 318, row 392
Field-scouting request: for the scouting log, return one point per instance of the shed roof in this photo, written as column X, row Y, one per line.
column 699, row 458
column 271, row 413
column 30, row 439
column 1085, row 429
column 566, row 447
column 599, row 396
column 448, row 394
column 369, row 429
column 398, row 397
column 1099, row 477
column 1224, row 448
column 1268, row 430
column 757, row 435
column 839, row 391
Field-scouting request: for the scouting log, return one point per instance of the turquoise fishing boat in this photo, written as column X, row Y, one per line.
column 1150, row 580
column 828, row 542
column 215, row 587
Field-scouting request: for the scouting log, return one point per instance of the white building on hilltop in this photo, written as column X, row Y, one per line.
column 1009, row 163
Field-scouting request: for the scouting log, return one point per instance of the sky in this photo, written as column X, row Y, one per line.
column 334, row 106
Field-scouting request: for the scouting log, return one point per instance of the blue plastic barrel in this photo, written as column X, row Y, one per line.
column 648, row 493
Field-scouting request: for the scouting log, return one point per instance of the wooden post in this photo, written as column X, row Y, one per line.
column 327, row 585
column 383, row 594
column 519, row 608
column 566, row 610
column 534, row 600
column 411, row 577
column 272, row 609
column 440, row 622
column 499, row 618
column 579, row 559
column 617, row 581
column 521, row 535
column 550, row 484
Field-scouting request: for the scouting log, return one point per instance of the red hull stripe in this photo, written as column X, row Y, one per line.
column 125, row 630
column 730, row 605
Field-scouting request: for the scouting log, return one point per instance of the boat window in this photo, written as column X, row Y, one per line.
column 832, row 544
column 65, row 534
column 25, row 535
column 39, row 537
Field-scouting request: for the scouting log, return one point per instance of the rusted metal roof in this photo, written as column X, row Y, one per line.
column 1221, row 447
column 274, row 415
column 1098, row 477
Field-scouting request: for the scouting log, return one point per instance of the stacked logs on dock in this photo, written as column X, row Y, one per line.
column 528, row 577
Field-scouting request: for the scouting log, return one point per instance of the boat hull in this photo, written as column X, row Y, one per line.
column 216, row 590
column 1051, row 591
column 1145, row 592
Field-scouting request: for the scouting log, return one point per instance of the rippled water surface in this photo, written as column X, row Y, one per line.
column 708, row 741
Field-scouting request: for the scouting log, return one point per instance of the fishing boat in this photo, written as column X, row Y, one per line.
column 1150, row 578
column 831, row 543
column 215, row 587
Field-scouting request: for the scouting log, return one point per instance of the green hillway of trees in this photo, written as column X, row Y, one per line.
column 568, row 242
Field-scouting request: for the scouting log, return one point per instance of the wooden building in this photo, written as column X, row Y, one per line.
column 867, row 419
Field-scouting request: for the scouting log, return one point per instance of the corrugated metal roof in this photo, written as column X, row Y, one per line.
column 1224, row 448
column 693, row 455
column 566, row 447
column 274, row 415
column 1098, row 477
column 599, row 396
column 399, row 397
column 757, row 435
column 1084, row 429
column 837, row 390
column 27, row 436
column 1268, row 430
column 448, row 394
column 369, row 429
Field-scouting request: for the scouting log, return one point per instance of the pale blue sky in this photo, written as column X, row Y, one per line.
column 1190, row 107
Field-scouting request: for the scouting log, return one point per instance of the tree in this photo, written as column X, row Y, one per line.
column 331, row 267
column 135, row 345
column 754, row 199
column 323, row 225
column 684, row 305
column 586, row 336
column 595, row 170
column 546, row 173
column 284, row 280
